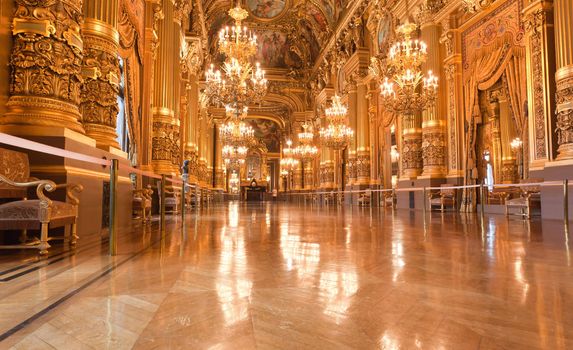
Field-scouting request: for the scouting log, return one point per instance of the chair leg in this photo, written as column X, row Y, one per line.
column 44, row 245
column 74, row 234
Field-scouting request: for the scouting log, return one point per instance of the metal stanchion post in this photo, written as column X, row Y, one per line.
column 183, row 199
column 113, row 175
column 424, row 206
column 482, row 200
column 566, row 204
column 162, row 203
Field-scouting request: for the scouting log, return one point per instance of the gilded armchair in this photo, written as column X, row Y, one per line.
column 142, row 202
column 444, row 197
column 33, row 214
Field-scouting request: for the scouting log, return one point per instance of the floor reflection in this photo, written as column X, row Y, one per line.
column 274, row 275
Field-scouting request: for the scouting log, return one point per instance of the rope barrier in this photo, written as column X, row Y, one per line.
column 39, row 147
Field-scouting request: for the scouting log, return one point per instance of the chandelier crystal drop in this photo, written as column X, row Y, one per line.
column 240, row 83
column 407, row 90
column 337, row 134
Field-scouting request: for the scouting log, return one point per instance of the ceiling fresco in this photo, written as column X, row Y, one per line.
column 291, row 35
column 267, row 132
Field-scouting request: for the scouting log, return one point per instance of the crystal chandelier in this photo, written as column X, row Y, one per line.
column 234, row 156
column 288, row 162
column 337, row 135
column 407, row 91
column 235, row 132
column 240, row 83
column 306, row 150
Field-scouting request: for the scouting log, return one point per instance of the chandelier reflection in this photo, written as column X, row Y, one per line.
column 406, row 91
column 306, row 150
column 337, row 135
column 239, row 84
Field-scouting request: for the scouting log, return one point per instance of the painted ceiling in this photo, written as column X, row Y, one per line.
column 290, row 32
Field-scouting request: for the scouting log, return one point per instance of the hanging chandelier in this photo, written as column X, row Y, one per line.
column 234, row 156
column 235, row 132
column 288, row 162
column 337, row 134
column 306, row 151
column 407, row 91
column 239, row 84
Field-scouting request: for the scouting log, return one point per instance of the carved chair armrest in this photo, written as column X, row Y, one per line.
column 41, row 186
column 432, row 195
column 72, row 190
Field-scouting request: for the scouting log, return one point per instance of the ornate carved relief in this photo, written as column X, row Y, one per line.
column 46, row 64
column 100, row 89
column 565, row 117
column 362, row 165
column 532, row 23
column 450, row 71
column 326, row 174
column 434, row 149
column 411, row 156
column 192, row 58
column 166, row 143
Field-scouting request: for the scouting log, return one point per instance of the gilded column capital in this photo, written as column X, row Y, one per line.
column 46, row 63
column 182, row 8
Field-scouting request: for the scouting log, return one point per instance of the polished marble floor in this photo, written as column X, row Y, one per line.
column 279, row 276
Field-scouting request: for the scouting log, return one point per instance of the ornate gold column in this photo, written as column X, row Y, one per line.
column 297, row 178
column 412, row 146
column 564, row 77
column 352, row 95
column 219, row 166
column 540, row 58
column 100, row 71
column 190, row 66
column 153, row 14
column 308, row 176
column 453, row 89
column 362, row 164
column 434, row 123
column 46, row 65
column 166, row 124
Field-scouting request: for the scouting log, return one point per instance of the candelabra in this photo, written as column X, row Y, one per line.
column 407, row 91
column 240, row 83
